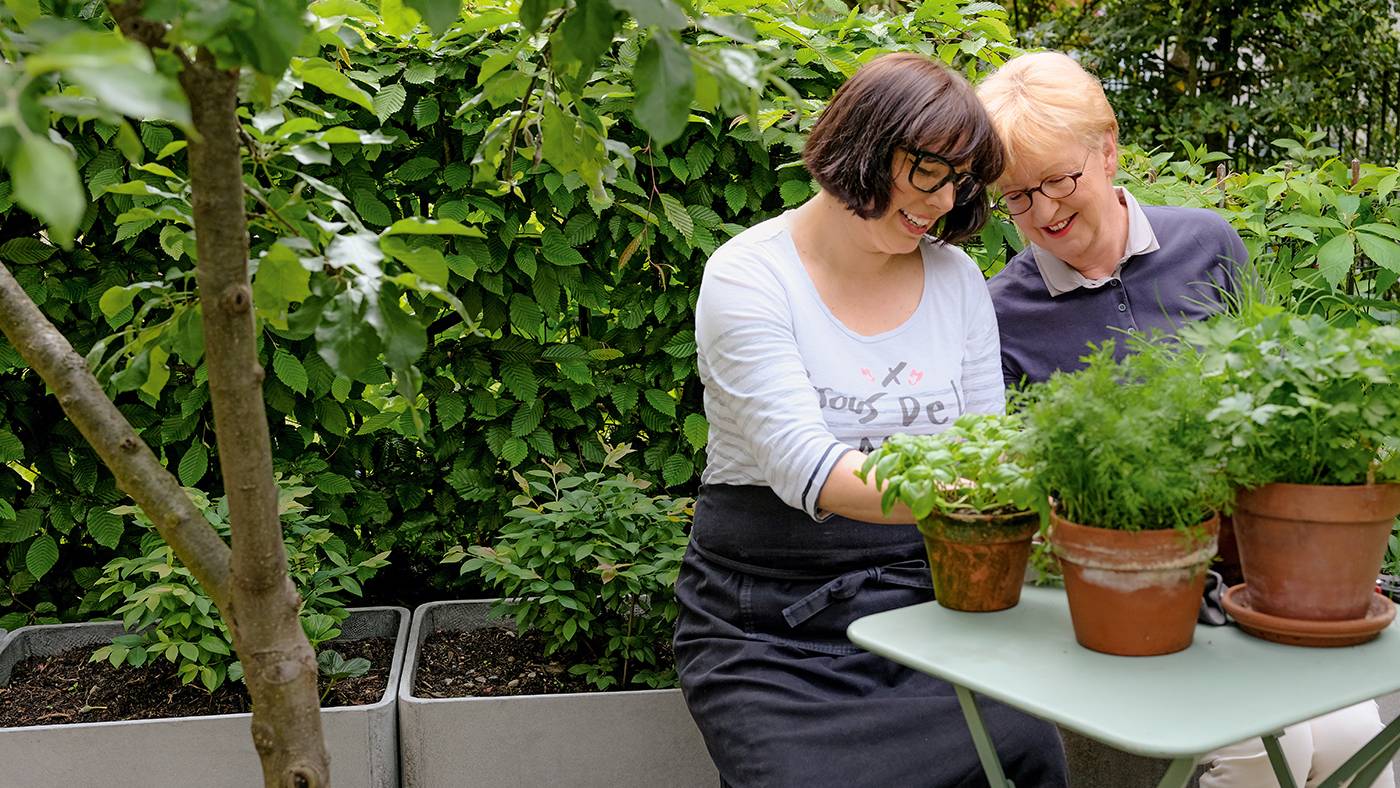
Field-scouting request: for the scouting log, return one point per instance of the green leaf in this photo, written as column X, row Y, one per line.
column 451, row 409
column 389, row 100
column 557, row 249
column 324, row 75
column 438, row 14
column 426, row 112
column 660, row 13
column 677, row 470
column 677, row 215
column 290, row 371
column 334, row 483
column 527, row 418
column 281, row 279
column 104, row 527
column 26, row 251
column 194, row 464
column 1335, row 258
column 514, row 451
column 664, row 82
column 735, row 196
column 419, row 73
column 42, row 555
column 697, row 430
column 404, row 337
column 1385, row 252
column 11, row 450
column 584, row 35
column 661, row 401
column 532, row 12
column 519, row 379
column 682, row 345
column 795, row 191
column 345, row 340
column 46, row 184
column 270, row 34
column 419, row 226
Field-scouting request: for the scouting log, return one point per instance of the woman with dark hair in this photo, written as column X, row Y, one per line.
column 820, row 333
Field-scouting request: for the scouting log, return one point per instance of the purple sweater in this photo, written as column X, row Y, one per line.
column 1042, row 334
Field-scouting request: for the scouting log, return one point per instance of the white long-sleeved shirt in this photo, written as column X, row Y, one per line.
column 789, row 389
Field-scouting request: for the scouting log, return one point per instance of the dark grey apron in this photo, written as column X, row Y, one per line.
column 780, row 694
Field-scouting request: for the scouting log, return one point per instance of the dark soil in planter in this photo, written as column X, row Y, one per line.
column 68, row 688
column 494, row 661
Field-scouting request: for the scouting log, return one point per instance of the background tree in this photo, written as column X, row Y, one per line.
column 1238, row 74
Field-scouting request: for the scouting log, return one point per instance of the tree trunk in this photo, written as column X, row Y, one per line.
column 279, row 665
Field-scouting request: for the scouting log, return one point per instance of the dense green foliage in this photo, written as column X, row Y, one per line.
column 1124, row 444
column 1235, row 75
column 970, row 468
column 168, row 615
column 589, row 560
column 469, row 264
column 575, row 314
column 1301, row 400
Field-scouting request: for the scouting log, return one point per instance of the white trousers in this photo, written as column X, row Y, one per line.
column 1314, row 749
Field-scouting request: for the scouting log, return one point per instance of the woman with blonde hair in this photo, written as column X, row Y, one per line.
column 1096, row 261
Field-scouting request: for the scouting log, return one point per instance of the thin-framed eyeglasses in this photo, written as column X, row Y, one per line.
column 931, row 172
column 1056, row 187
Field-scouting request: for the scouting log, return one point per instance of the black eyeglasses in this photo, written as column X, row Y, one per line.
column 931, row 172
column 1056, row 187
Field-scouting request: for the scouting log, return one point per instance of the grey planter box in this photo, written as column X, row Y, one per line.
column 582, row 740
column 213, row 751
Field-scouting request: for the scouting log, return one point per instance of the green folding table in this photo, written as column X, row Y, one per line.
column 1225, row 688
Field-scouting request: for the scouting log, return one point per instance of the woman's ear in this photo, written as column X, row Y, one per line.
column 1110, row 154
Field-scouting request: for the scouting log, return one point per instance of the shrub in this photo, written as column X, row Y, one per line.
column 589, row 560
column 167, row 615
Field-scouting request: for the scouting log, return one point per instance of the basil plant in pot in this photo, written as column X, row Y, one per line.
column 976, row 504
column 1307, row 420
column 1120, row 447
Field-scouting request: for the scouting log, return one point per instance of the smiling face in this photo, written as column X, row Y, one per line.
column 1089, row 227
column 912, row 213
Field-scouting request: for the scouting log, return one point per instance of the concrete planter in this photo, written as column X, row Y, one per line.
column 583, row 740
column 213, row 751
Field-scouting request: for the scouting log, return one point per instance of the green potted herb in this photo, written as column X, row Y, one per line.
column 976, row 504
column 1307, row 419
column 1121, row 448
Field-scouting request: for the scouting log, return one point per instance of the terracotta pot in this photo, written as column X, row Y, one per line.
column 1313, row 551
column 1133, row 593
column 979, row 561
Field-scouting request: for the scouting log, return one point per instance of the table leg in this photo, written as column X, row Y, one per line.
column 1367, row 764
column 986, row 749
column 1280, row 763
column 1178, row 774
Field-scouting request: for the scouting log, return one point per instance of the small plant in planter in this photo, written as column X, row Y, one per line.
column 1307, row 419
column 168, row 616
column 1121, row 448
column 589, row 560
column 976, row 503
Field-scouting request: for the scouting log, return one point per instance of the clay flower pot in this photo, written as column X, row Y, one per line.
column 978, row 561
column 1133, row 593
column 1312, row 551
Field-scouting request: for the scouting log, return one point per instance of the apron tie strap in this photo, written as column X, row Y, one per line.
column 913, row 573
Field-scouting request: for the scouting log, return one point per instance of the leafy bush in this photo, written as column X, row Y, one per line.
column 589, row 560
column 582, row 303
column 970, row 468
column 1124, row 444
column 167, row 614
column 1301, row 400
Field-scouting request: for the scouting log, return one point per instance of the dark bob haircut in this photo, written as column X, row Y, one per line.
column 903, row 100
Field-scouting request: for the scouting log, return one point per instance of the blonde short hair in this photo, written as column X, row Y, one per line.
column 1039, row 100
